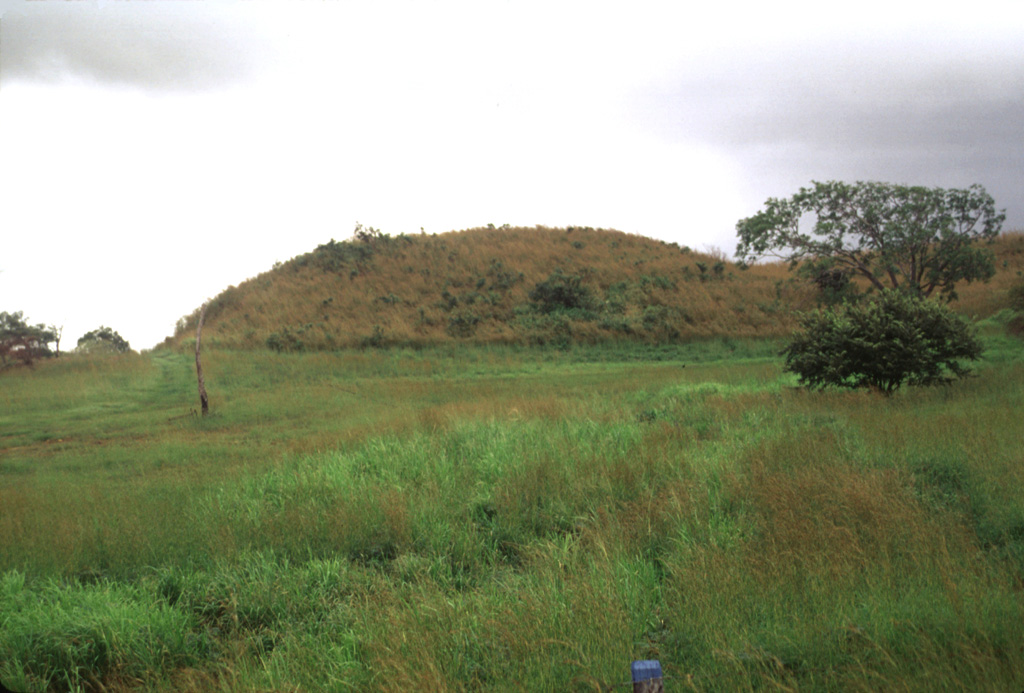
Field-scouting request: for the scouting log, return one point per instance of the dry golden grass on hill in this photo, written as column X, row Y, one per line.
column 984, row 299
column 475, row 286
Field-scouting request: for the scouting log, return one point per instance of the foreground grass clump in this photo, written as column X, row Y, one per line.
column 508, row 519
column 83, row 633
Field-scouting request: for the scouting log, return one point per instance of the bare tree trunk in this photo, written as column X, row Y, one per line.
column 203, row 400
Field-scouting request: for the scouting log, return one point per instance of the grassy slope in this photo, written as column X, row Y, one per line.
column 497, row 518
column 473, row 286
column 418, row 289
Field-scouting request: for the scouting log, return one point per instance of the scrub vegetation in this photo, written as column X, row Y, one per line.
column 527, row 286
column 477, row 514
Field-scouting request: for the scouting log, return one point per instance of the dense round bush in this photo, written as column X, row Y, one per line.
column 882, row 343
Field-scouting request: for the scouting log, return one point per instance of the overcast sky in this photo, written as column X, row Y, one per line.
column 156, row 152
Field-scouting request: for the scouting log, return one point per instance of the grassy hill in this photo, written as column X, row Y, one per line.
column 520, row 286
column 475, row 286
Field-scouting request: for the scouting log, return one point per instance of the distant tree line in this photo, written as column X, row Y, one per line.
column 24, row 343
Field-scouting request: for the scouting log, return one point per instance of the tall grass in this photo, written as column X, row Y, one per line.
column 509, row 519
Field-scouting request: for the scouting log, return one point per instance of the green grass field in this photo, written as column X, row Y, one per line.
column 507, row 519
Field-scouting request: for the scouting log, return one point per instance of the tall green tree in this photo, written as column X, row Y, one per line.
column 895, row 236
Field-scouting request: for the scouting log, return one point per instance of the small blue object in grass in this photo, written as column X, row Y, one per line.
column 645, row 670
column 647, row 676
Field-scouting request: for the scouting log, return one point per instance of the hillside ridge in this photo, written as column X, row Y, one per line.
column 515, row 285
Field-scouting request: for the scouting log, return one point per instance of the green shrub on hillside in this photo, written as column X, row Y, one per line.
column 502, row 279
column 462, row 324
column 716, row 272
column 545, row 329
column 661, row 321
column 285, row 340
column 561, row 292
column 895, row 339
column 335, row 256
column 1016, row 294
column 375, row 340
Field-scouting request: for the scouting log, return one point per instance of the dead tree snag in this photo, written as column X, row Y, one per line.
column 203, row 400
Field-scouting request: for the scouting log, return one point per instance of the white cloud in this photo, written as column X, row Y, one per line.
column 158, row 152
column 148, row 45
